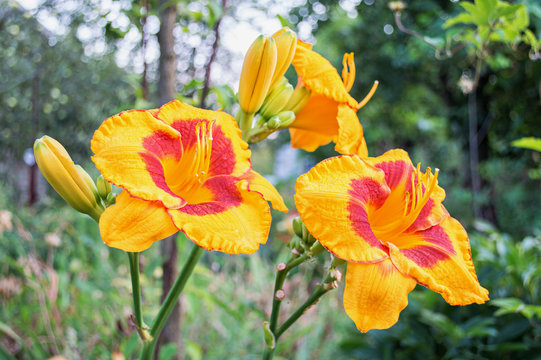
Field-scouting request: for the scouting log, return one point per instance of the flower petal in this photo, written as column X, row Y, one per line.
column 133, row 224
column 320, row 76
column 397, row 166
column 308, row 140
column 375, row 294
column 230, row 154
column 128, row 150
column 236, row 222
column 350, row 139
column 440, row 259
column 333, row 200
column 256, row 182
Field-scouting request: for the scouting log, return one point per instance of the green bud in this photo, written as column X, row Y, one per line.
column 316, row 249
column 297, row 226
column 111, row 198
column 103, row 186
column 298, row 100
column 336, row 262
column 273, row 123
column 270, row 340
column 277, row 99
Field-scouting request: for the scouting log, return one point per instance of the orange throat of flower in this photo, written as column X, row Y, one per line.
column 186, row 176
column 403, row 207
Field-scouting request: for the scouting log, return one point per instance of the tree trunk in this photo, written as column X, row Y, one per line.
column 167, row 92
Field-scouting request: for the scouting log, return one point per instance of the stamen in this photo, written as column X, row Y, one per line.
column 369, row 96
column 413, row 203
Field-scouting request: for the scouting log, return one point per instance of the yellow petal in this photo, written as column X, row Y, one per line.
column 258, row 183
column 375, row 294
column 334, row 199
column 133, row 224
column 128, row 150
column 235, row 223
column 320, row 76
column 350, row 139
column 440, row 259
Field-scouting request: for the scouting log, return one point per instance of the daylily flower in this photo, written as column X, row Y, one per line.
column 385, row 218
column 182, row 169
column 330, row 114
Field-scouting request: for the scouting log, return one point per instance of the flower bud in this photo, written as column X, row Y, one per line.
column 286, row 43
column 256, row 75
column 103, row 186
column 277, row 99
column 72, row 183
column 280, row 121
column 298, row 100
column 297, row 226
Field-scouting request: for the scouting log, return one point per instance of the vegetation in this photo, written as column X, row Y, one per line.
column 445, row 82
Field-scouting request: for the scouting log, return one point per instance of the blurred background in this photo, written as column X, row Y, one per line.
column 453, row 97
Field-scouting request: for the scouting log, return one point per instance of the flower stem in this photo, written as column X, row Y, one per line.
column 169, row 302
column 318, row 292
column 136, row 288
column 245, row 123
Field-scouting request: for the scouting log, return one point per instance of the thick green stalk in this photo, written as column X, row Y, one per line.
column 169, row 302
column 136, row 288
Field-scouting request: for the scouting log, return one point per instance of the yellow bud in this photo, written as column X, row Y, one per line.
column 72, row 183
column 277, row 99
column 103, row 186
column 256, row 75
column 298, row 99
column 286, row 43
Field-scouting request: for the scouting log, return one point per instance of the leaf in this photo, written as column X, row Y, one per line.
column 194, row 351
column 462, row 18
column 531, row 143
column 505, row 10
column 478, row 17
column 522, row 20
column 270, row 340
column 168, row 351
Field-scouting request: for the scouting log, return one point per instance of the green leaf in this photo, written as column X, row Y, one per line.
column 462, row 18
column 505, row 10
column 478, row 16
column 522, row 20
column 531, row 143
column 486, row 7
column 194, row 351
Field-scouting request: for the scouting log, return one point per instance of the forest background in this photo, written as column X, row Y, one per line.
column 450, row 101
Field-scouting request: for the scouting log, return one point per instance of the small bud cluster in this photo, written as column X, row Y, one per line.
column 70, row 180
column 264, row 91
column 303, row 241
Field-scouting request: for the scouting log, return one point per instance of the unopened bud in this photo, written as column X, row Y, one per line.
column 297, row 226
column 298, row 100
column 286, row 43
column 277, row 99
column 280, row 295
column 72, row 183
column 336, row 262
column 257, row 72
column 111, row 198
column 316, row 249
column 103, row 186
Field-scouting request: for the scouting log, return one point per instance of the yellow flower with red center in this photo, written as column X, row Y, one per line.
column 331, row 113
column 386, row 219
column 182, row 169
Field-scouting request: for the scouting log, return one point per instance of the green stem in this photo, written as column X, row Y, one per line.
column 170, row 302
column 245, row 124
column 318, row 292
column 293, row 261
column 136, row 288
